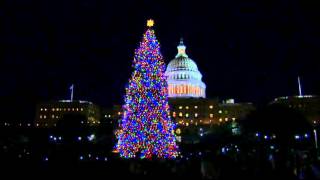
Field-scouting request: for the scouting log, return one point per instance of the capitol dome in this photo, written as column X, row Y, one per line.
column 183, row 76
column 182, row 63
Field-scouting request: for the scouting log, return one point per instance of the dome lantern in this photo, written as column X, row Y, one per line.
column 181, row 49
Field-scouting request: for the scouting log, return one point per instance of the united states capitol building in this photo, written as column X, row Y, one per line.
column 189, row 105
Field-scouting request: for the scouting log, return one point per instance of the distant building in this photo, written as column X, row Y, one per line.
column 111, row 116
column 48, row 114
column 308, row 105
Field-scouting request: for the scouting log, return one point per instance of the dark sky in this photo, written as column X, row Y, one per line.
column 248, row 50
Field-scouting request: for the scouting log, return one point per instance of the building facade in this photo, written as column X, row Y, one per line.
column 200, row 115
column 308, row 105
column 202, row 112
column 48, row 114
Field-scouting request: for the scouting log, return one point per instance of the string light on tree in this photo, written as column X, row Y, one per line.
column 146, row 130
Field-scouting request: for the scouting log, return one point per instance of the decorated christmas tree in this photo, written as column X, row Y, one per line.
column 146, row 130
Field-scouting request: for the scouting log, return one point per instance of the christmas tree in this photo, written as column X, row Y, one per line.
column 146, row 129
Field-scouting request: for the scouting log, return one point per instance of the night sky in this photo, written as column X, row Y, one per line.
column 247, row 50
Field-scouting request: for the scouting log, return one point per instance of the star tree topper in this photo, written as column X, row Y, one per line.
column 150, row 23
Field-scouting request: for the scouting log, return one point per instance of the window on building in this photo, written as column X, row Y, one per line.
column 81, row 109
column 174, row 114
column 44, row 117
column 196, row 107
column 52, row 109
column 187, row 115
column 220, row 119
column 226, row 119
column 233, row 119
column 180, row 107
column 41, row 109
column 210, row 106
column 40, row 116
column 45, row 109
column 211, row 115
column 180, row 114
column 195, row 114
column 220, row 111
column 52, row 116
column 187, row 107
column 77, row 109
column 226, row 112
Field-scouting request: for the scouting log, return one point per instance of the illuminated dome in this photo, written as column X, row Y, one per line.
column 184, row 78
